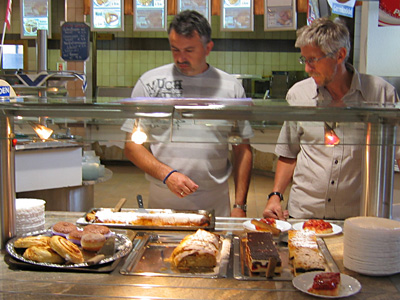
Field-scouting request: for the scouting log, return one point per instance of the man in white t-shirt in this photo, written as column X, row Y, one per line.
column 192, row 176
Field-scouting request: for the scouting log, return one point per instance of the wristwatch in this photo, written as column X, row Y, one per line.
column 275, row 193
column 244, row 206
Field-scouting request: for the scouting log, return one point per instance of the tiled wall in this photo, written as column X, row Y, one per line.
column 122, row 67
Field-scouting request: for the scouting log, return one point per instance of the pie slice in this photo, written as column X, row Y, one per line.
column 318, row 226
column 326, row 284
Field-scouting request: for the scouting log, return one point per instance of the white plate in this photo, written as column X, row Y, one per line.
column 336, row 229
column 282, row 225
column 348, row 285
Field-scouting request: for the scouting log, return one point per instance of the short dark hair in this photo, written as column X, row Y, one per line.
column 188, row 21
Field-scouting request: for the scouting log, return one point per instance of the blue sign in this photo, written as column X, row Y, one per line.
column 5, row 91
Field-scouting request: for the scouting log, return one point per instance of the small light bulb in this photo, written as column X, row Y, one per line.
column 139, row 137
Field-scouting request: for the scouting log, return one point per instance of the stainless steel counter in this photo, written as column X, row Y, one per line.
column 16, row 283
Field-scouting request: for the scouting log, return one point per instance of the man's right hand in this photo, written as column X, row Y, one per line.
column 181, row 185
column 273, row 209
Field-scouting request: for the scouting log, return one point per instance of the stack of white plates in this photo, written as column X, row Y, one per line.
column 372, row 245
column 30, row 215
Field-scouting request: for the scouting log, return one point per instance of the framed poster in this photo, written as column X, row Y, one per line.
column 35, row 15
column 150, row 15
column 201, row 6
column 75, row 41
column 237, row 15
column 107, row 15
column 280, row 15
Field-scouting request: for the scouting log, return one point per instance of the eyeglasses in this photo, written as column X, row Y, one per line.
column 312, row 61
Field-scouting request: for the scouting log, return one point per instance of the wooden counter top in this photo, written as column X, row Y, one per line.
column 26, row 284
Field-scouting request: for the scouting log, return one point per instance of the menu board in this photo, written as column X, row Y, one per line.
column 201, row 6
column 107, row 15
column 237, row 15
column 35, row 15
column 150, row 15
column 280, row 15
column 75, row 41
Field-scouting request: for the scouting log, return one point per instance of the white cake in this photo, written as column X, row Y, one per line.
column 29, row 215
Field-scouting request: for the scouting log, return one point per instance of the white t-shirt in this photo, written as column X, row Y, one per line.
column 196, row 148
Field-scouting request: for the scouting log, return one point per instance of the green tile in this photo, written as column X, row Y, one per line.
column 120, row 68
column 252, row 58
column 244, row 58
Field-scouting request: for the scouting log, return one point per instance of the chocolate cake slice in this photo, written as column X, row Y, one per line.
column 261, row 253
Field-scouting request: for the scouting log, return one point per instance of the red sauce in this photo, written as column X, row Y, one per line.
column 317, row 224
column 269, row 221
column 326, row 281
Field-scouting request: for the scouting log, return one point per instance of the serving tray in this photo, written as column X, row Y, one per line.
column 150, row 253
column 242, row 272
column 123, row 246
column 209, row 215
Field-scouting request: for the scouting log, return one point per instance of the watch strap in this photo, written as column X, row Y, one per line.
column 275, row 193
column 244, row 206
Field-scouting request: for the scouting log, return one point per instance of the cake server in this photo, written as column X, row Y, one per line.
column 140, row 204
column 119, row 205
column 107, row 250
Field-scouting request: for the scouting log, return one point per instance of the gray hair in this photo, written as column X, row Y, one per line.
column 326, row 34
column 188, row 22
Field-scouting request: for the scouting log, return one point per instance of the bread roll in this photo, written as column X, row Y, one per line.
column 43, row 254
column 26, row 242
column 66, row 249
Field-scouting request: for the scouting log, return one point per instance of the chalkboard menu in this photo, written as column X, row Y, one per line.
column 75, row 41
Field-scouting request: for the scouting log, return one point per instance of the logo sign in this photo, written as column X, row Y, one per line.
column 5, row 91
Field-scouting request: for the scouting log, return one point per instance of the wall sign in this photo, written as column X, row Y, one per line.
column 280, row 15
column 35, row 15
column 75, row 41
column 107, row 15
column 201, row 6
column 150, row 15
column 237, row 15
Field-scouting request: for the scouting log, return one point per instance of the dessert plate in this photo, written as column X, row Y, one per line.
column 282, row 225
column 348, row 285
column 336, row 229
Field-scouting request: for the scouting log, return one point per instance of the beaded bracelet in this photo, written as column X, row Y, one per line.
column 169, row 174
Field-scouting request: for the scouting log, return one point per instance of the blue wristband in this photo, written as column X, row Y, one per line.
column 169, row 174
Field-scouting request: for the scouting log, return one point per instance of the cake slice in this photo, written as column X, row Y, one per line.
column 301, row 239
column 266, row 226
column 326, row 284
column 198, row 250
column 261, row 253
column 318, row 226
column 307, row 260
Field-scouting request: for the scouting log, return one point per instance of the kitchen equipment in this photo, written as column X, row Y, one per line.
column 139, row 199
column 151, row 252
column 107, row 250
column 119, row 205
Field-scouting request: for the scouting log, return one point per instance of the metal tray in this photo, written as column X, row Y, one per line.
column 242, row 272
column 209, row 215
column 150, row 251
column 123, row 246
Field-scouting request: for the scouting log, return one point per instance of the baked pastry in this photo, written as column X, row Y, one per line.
column 63, row 228
column 261, row 253
column 148, row 219
column 75, row 236
column 96, row 229
column 66, row 249
column 307, row 260
column 28, row 241
column 92, row 241
column 326, row 284
column 318, row 226
column 43, row 254
column 301, row 239
column 198, row 250
column 266, row 225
